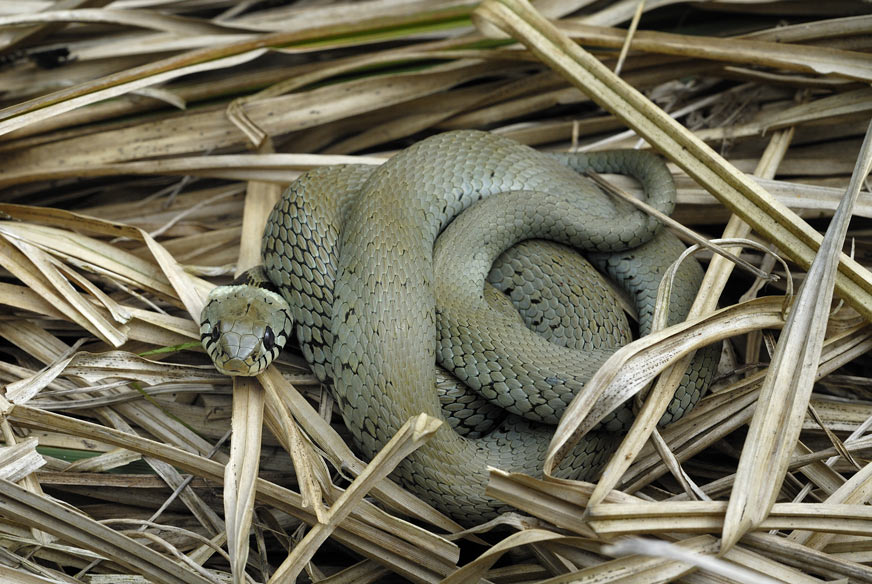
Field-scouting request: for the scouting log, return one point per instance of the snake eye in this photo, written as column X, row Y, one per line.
column 269, row 339
column 216, row 331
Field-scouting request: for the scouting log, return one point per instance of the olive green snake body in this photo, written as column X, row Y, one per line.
column 351, row 250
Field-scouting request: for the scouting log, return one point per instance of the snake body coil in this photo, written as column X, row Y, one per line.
column 351, row 250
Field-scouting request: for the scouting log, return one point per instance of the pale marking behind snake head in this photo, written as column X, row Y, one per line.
column 251, row 329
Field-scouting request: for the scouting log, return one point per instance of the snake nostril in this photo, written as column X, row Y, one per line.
column 216, row 331
column 269, row 339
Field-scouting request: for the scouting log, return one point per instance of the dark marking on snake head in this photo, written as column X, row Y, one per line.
column 216, row 332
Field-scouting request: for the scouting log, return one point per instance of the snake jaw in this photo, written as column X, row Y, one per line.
column 234, row 367
column 248, row 331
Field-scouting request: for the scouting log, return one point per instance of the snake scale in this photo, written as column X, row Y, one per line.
column 351, row 250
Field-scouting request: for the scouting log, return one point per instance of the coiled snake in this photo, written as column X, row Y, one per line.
column 351, row 251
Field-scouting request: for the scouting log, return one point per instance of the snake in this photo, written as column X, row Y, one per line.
column 352, row 265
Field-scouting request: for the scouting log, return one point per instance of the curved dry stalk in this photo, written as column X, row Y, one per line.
column 477, row 569
column 787, row 388
column 633, row 366
column 720, row 414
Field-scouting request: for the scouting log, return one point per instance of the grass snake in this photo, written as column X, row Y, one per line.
column 348, row 256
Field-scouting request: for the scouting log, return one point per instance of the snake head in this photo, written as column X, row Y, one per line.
column 243, row 327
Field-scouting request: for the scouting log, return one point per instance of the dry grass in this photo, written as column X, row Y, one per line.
column 142, row 145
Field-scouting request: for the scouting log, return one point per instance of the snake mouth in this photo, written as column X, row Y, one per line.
column 235, row 367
